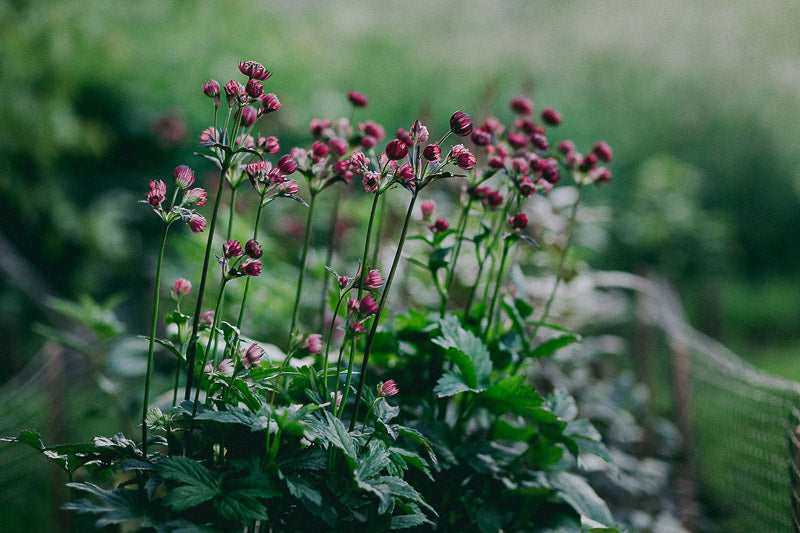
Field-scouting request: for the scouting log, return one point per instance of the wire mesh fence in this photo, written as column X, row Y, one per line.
column 740, row 427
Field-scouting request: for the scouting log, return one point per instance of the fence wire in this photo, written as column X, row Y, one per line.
column 743, row 439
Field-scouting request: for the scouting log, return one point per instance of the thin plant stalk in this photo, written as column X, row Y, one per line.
column 329, row 256
column 328, row 344
column 337, row 409
column 150, row 350
column 191, row 350
column 498, row 282
column 247, row 281
column 376, row 320
column 482, row 263
column 303, row 260
column 212, row 340
column 377, row 247
column 462, row 226
column 559, row 272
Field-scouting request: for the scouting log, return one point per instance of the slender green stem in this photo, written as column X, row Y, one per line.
column 323, row 299
column 212, row 340
column 362, row 276
column 230, row 214
column 177, row 381
column 336, row 409
column 303, row 259
column 559, row 273
column 377, row 247
column 498, row 283
column 328, row 344
column 462, row 226
column 191, row 350
column 150, row 350
column 381, row 305
column 247, row 281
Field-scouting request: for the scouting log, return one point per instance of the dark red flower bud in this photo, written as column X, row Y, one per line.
column 269, row 103
column 521, row 105
column 157, row 193
column 526, row 186
column 183, row 176
column 372, row 129
column 211, row 88
column 566, row 147
column 254, row 88
column 404, row 173
column 319, row 149
column 287, row 164
column 494, row 200
column 369, row 142
column 526, row 125
column 405, row 136
column 432, row 152
column 539, row 141
column 481, row 137
column 589, row 162
column 439, row 226
column 461, row 123
column 497, row 162
column 357, row 99
column 517, row 140
column 234, row 91
column 549, row 170
column 318, row 127
column 367, row 305
column 250, row 267
column 600, row 175
column 396, row 149
column 551, row 116
column 603, row 151
column 518, row 221
column 232, row 248
column 254, row 70
column 249, row 116
column 253, row 249
column 339, row 146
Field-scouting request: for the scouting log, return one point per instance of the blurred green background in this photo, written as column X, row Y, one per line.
column 699, row 100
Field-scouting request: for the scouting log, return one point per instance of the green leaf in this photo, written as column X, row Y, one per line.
column 334, row 432
column 232, row 415
column 31, row 437
column 399, row 488
column 467, row 351
column 117, row 506
column 438, row 259
column 451, row 384
column 562, row 405
column 187, row 496
column 513, row 395
column 575, row 490
column 186, row 470
column 409, row 520
column 551, row 345
column 373, row 461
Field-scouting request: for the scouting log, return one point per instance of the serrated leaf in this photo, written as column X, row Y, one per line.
column 438, row 259
column 551, row 345
column 185, row 470
column 576, row 491
column 468, row 352
column 187, row 496
column 408, row 520
column 302, row 491
column 451, row 384
column 562, row 405
column 373, row 461
column 513, row 395
column 335, row 433
column 232, row 415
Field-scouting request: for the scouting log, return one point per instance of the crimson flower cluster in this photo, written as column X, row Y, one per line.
column 236, row 262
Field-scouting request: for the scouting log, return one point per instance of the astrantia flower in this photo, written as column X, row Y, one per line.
column 253, row 249
column 439, row 226
column 603, row 151
column 539, row 141
column 339, row 146
column 463, row 157
column 517, row 139
column 600, row 175
column 521, row 105
column 211, row 88
column 313, row 343
column 207, row 317
column 405, row 172
column 287, row 164
column 269, row 103
column 481, row 137
column 209, row 135
column 387, row 389
column 318, row 126
column 157, row 193
column 371, row 181
column 405, row 136
column 343, row 281
column 551, row 116
column 289, row 187
column 181, row 287
column 254, row 89
column 518, row 221
column 250, row 267
column 427, row 207
column 460, row 123
column 232, row 248
column 494, row 200
column 269, row 144
column 254, row 70
column 319, row 149
column 359, row 163
column 419, row 132
column 357, row 99
column 367, row 305
column 252, row 356
column 249, row 116
column 432, row 152
column 526, row 186
column 234, row 91
column 396, row 149
column 197, row 223
column 373, row 279
column 183, row 176
column 372, row 129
